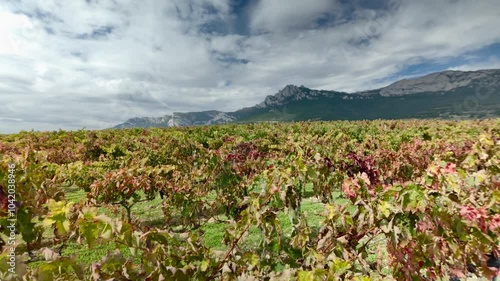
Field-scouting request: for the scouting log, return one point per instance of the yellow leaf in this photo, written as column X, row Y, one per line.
column 204, row 265
column 385, row 209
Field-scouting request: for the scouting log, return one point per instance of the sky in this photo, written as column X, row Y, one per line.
column 95, row 63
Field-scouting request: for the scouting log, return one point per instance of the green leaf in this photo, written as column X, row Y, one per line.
column 89, row 231
column 303, row 275
column 27, row 228
column 485, row 239
column 460, row 229
column 340, row 266
column 204, row 265
column 385, row 209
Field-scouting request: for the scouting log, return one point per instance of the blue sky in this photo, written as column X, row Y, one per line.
column 96, row 63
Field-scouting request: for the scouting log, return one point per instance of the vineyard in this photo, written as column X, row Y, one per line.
column 364, row 200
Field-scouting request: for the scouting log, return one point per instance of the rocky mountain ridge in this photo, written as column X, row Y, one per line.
column 178, row 119
column 440, row 82
column 436, row 95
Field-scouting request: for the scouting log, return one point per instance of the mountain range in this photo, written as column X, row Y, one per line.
column 445, row 95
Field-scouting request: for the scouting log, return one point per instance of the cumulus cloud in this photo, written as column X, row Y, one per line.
column 283, row 15
column 491, row 63
column 94, row 64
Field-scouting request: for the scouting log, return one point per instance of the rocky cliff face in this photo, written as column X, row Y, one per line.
column 289, row 92
column 442, row 81
column 179, row 120
column 146, row 122
column 292, row 93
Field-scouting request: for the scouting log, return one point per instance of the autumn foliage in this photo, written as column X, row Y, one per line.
column 403, row 200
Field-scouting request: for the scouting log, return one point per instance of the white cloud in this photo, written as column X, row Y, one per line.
column 492, row 63
column 279, row 15
column 10, row 27
column 95, row 65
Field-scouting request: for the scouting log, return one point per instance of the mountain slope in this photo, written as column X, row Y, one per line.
column 442, row 82
column 179, row 119
column 447, row 94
